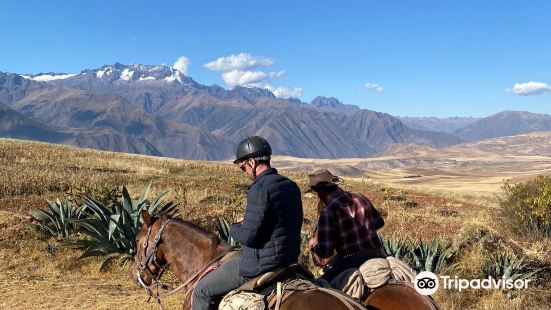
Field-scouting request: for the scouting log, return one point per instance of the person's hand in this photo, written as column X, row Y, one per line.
column 240, row 221
column 312, row 242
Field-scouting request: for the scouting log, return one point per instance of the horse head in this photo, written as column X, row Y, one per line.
column 150, row 259
column 165, row 241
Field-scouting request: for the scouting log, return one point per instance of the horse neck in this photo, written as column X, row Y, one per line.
column 188, row 249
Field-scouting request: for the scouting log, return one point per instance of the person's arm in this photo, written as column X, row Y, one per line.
column 249, row 231
column 325, row 236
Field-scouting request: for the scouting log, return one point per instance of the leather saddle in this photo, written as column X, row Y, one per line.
column 265, row 283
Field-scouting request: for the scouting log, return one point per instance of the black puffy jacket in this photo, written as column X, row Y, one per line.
column 270, row 232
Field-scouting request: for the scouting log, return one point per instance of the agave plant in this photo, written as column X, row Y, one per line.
column 113, row 229
column 224, row 231
column 430, row 257
column 396, row 247
column 547, row 230
column 502, row 266
column 57, row 220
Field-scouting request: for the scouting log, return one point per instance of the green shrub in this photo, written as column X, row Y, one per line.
column 57, row 220
column 224, row 231
column 528, row 206
column 423, row 256
column 113, row 229
column 502, row 266
column 431, row 257
column 397, row 247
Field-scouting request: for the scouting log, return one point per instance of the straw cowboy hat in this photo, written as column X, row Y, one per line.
column 322, row 178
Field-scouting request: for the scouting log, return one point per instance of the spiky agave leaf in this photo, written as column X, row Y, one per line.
column 143, row 196
column 97, row 208
column 224, row 231
column 445, row 256
column 154, row 206
column 127, row 203
column 432, row 251
column 56, row 221
column 503, row 266
column 394, row 246
column 430, row 256
column 113, row 229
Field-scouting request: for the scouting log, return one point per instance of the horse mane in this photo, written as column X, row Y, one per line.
column 194, row 228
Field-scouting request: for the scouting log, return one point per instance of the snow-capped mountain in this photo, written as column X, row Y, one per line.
column 169, row 114
column 138, row 72
column 119, row 72
column 50, row 76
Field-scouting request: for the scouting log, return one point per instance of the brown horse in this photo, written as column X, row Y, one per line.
column 391, row 296
column 188, row 249
column 398, row 296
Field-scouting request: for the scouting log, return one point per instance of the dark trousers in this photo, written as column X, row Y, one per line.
column 216, row 284
column 332, row 269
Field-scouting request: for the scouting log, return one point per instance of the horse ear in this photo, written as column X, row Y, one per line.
column 172, row 212
column 146, row 217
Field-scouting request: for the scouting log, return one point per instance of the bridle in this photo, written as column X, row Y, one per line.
column 150, row 258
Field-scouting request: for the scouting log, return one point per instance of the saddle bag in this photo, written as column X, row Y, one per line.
column 239, row 300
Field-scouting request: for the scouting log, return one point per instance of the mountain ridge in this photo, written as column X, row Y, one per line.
column 172, row 112
column 505, row 123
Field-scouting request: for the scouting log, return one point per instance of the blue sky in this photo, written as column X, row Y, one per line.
column 422, row 58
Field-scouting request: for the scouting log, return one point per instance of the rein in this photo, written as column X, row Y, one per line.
column 151, row 259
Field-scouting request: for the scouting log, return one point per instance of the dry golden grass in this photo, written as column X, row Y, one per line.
column 477, row 167
column 45, row 274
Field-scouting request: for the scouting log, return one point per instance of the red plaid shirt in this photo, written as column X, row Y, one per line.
column 348, row 224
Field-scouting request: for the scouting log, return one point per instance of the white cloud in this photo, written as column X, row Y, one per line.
column 530, row 88
column 243, row 78
column 279, row 91
column 258, row 79
column 373, row 86
column 242, row 61
column 282, row 92
column 239, row 70
column 181, row 64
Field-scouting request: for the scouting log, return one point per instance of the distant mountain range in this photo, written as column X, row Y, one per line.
column 506, row 123
column 15, row 125
column 448, row 124
column 158, row 110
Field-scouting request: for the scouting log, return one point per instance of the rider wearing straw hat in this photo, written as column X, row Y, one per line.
column 347, row 225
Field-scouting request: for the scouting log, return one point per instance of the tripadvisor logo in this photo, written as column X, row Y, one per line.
column 427, row 283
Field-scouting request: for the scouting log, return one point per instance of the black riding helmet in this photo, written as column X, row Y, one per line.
column 253, row 147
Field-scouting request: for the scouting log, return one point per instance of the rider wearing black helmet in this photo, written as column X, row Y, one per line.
column 255, row 148
column 269, row 232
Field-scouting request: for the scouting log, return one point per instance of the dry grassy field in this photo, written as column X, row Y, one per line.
column 476, row 168
column 451, row 201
